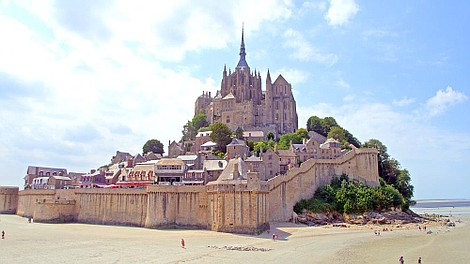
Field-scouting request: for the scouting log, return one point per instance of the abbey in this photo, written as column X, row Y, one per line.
column 241, row 102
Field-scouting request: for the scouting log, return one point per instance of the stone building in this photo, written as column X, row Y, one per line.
column 35, row 172
column 213, row 169
column 241, row 102
column 169, row 171
column 237, row 147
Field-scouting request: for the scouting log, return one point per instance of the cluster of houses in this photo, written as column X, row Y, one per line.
column 187, row 163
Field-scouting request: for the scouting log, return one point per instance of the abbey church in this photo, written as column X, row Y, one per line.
column 241, row 102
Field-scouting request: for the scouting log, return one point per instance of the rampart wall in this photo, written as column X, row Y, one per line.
column 112, row 206
column 243, row 207
column 302, row 182
column 177, row 206
column 8, row 200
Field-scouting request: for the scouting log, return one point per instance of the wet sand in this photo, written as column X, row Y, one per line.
column 81, row 243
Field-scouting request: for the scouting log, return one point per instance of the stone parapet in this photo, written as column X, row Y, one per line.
column 8, row 199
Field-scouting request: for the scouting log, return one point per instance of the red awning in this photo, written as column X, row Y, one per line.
column 134, row 183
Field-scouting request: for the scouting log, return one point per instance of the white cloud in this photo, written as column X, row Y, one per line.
column 293, row 76
column 443, row 100
column 85, row 81
column 343, row 84
column 407, row 135
column 314, row 5
column 404, row 101
column 349, row 98
column 304, row 51
column 341, row 12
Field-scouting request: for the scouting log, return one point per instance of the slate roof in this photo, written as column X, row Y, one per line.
column 170, row 162
column 237, row 142
column 212, row 165
column 253, row 134
column 227, row 174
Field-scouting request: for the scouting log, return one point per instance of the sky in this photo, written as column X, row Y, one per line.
column 80, row 80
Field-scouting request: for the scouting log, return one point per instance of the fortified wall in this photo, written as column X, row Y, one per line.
column 239, row 206
column 8, row 200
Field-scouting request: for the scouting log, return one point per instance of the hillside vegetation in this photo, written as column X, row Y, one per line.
column 344, row 196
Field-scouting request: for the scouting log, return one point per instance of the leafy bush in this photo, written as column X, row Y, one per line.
column 346, row 196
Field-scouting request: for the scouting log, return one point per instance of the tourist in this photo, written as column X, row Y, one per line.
column 419, row 259
column 401, row 260
column 274, row 236
column 182, row 243
column 3, row 234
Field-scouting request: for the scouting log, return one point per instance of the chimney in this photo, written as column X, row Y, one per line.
column 236, row 173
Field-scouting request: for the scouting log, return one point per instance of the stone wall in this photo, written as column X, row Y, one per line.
column 242, row 206
column 112, row 206
column 238, row 208
column 177, row 206
column 8, row 200
column 55, row 211
column 27, row 200
column 301, row 183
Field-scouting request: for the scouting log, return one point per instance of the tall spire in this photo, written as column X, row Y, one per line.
column 242, row 62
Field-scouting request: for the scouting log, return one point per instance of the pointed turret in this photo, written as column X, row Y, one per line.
column 242, row 62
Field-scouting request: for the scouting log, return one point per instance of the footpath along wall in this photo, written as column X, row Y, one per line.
column 301, row 183
column 239, row 206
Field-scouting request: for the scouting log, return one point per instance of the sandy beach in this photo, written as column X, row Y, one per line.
column 81, row 243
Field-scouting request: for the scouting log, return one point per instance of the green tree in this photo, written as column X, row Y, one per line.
column 189, row 132
column 221, row 134
column 265, row 145
column 403, row 185
column 251, row 145
column 327, row 123
column 239, row 133
column 286, row 139
column 270, row 135
column 153, row 145
column 314, row 124
column 337, row 133
column 351, row 139
column 199, row 121
column 303, row 133
column 391, row 172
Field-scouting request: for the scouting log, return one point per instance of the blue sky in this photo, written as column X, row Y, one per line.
column 82, row 79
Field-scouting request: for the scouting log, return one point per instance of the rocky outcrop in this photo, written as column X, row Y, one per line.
column 391, row 217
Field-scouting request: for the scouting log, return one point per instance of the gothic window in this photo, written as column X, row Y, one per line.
column 277, row 116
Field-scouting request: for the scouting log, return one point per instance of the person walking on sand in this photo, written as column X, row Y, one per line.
column 182, row 243
column 3, row 234
column 401, row 260
column 419, row 259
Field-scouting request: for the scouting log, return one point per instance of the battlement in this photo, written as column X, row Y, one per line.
column 238, row 202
